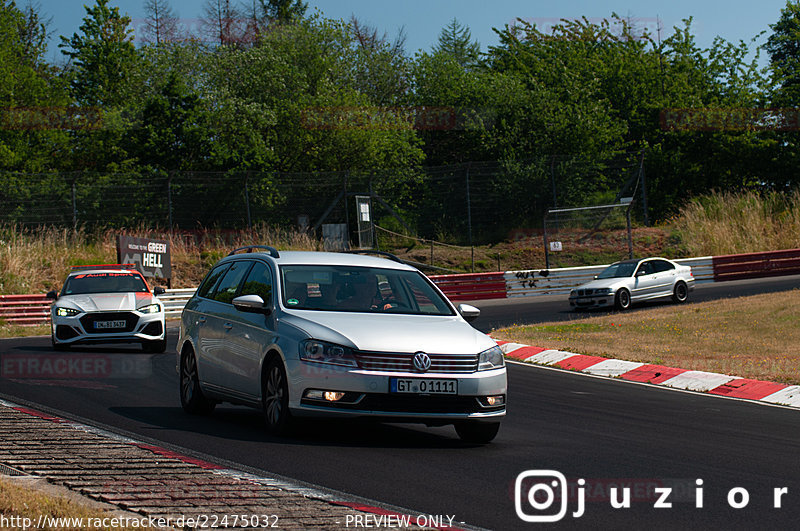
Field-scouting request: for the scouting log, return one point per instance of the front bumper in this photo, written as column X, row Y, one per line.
column 592, row 301
column 367, row 394
column 139, row 327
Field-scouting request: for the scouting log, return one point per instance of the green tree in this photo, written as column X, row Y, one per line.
column 283, row 11
column 783, row 47
column 456, row 41
column 173, row 131
column 31, row 95
column 101, row 55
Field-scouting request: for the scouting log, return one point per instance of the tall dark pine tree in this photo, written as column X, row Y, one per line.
column 783, row 47
column 456, row 41
column 102, row 54
column 283, row 11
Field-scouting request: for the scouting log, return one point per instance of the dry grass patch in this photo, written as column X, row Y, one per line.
column 19, row 501
column 8, row 330
column 752, row 337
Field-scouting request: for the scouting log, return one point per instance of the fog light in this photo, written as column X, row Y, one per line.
column 314, row 394
column 492, row 401
column 333, row 396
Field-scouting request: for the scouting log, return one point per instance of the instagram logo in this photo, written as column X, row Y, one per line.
column 541, row 496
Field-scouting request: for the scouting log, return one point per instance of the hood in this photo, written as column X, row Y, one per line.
column 612, row 283
column 108, row 302
column 392, row 332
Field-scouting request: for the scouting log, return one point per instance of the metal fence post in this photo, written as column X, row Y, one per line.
column 74, row 209
column 169, row 200
column 247, row 199
column 469, row 223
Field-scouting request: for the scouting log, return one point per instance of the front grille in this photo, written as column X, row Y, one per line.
column 419, row 404
column 402, row 362
column 89, row 319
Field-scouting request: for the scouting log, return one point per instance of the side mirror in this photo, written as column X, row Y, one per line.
column 468, row 312
column 641, row 273
column 52, row 295
column 158, row 290
column 251, row 304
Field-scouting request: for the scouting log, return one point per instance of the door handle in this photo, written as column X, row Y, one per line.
column 227, row 326
column 201, row 320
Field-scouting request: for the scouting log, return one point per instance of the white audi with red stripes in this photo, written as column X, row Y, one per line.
column 309, row 334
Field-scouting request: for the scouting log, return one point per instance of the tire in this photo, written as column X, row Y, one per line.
column 158, row 346
column 193, row 400
column 275, row 398
column 681, row 293
column 623, row 299
column 477, row 432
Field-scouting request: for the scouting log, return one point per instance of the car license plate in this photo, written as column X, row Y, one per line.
column 430, row 386
column 584, row 301
column 105, row 325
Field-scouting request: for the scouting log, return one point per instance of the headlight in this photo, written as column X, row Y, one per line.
column 491, row 359
column 150, row 308
column 603, row 291
column 322, row 352
column 67, row 312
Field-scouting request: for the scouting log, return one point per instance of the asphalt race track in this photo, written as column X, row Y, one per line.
column 608, row 432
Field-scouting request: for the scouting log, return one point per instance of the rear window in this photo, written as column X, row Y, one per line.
column 360, row 289
column 111, row 282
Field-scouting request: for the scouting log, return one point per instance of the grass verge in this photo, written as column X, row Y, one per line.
column 7, row 330
column 752, row 337
column 19, row 502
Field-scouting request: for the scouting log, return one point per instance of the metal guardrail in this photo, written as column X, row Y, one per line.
column 35, row 309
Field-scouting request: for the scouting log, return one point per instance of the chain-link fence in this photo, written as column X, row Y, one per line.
column 464, row 204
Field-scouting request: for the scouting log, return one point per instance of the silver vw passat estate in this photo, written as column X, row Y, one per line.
column 107, row 304
column 623, row 283
column 302, row 334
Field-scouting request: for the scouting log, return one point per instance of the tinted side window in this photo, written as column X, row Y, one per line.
column 259, row 282
column 211, row 280
column 662, row 265
column 227, row 287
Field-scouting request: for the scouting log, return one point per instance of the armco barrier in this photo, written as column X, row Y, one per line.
column 35, row 309
column 24, row 310
column 472, row 286
column 756, row 265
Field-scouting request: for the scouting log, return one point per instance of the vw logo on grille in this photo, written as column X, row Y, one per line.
column 422, row 362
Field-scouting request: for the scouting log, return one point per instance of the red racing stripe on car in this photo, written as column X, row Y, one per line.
column 652, row 374
column 579, row 362
column 748, row 388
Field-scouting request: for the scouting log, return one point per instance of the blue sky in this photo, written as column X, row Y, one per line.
column 423, row 19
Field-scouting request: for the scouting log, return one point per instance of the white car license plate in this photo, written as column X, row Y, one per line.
column 584, row 301
column 430, row 386
column 105, row 325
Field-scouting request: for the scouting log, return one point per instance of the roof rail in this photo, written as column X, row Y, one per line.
column 384, row 254
column 105, row 266
column 273, row 252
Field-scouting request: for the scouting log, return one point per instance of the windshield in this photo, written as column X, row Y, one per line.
column 104, row 283
column 360, row 289
column 619, row 270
